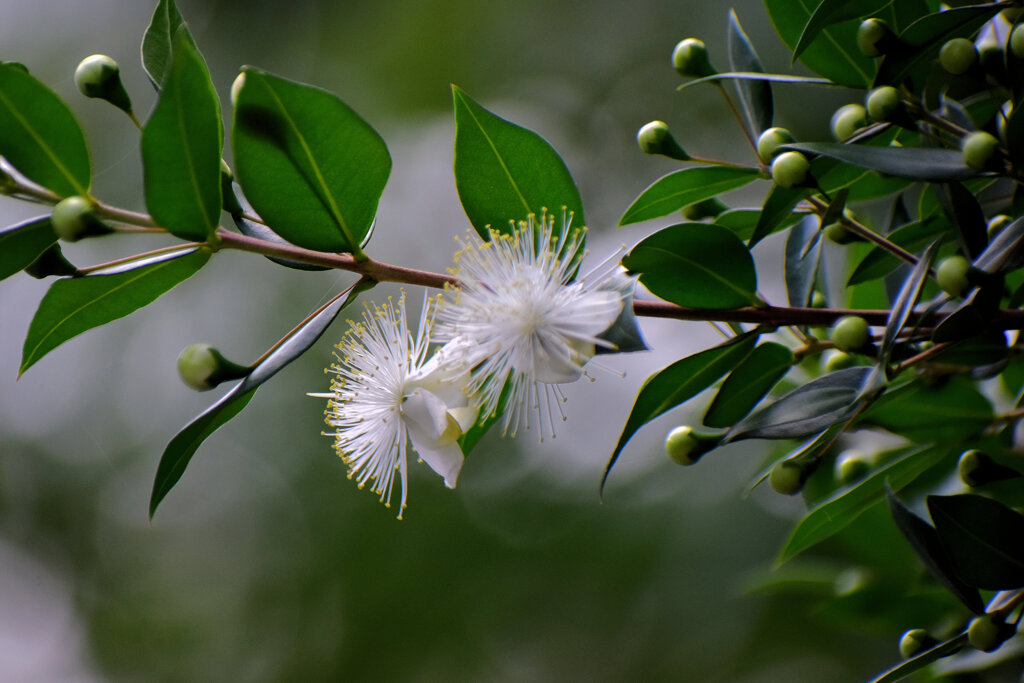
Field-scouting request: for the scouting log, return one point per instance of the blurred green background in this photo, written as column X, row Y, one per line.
column 266, row 563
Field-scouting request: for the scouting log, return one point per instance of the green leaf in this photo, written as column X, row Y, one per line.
column 1005, row 252
column 697, row 265
column 471, row 437
column 916, row 163
column 905, row 302
column 806, row 410
column 756, row 76
column 802, row 258
column 181, row 148
column 677, row 383
column 777, row 209
column 260, row 231
column 913, row 237
column 833, row 54
column 681, row 188
column 755, row 95
column 504, row 172
column 918, row 662
column 156, row 42
column 185, row 443
column 982, row 538
column 23, row 243
column 72, row 306
column 742, row 222
column 311, row 167
column 40, row 136
column 835, row 513
column 748, row 383
column 928, row 414
column 965, row 216
column 830, row 12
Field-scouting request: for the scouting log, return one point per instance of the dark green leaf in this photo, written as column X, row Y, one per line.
column 972, row 315
column 806, row 410
column 184, row 445
column 930, row 414
column 260, row 231
column 157, row 41
column 982, row 538
column 676, row 190
column 51, row 263
column 835, row 513
column 777, row 209
column 803, row 255
column 75, row 305
column 181, row 148
column 755, row 95
column 23, row 243
column 916, row 163
column 756, row 76
column 312, row 168
column 40, row 136
column 677, row 383
column 1005, row 252
column 699, row 265
column 913, row 237
column 905, row 302
column 965, row 216
column 830, row 12
column 748, row 384
column 1014, row 132
column 925, row 541
column 504, row 172
column 743, row 221
column 918, row 662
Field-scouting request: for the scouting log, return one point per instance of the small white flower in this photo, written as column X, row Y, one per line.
column 524, row 324
column 387, row 392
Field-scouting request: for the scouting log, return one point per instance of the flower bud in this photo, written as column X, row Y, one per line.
column 202, row 367
column 884, row 103
column 958, row 55
column 769, row 142
column 685, row 447
column 874, row 37
column 847, row 120
column 980, row 150
column 977, row 468
column 73, row 219
column 851, row 333
column 99, row 76
column 1017, row 41
column 788, row 477
column 851, row 465
column 951, row 274
column 996, row 224
column 236, row 87
column 988, row 631
column 690, row 58
column 915, row 641
column 790, row 169
column 656, row 138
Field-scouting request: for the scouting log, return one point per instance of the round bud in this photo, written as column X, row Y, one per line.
column 847, row 120
column 72, row 220
column 850, row 333
column 99, row 76
column 872, row 35
column 769, row 142
column 1017, row 41
column 1012, row 14
column 786, row 477
column 236, row 87
column 951, row 275
column 851, row 465
column 977, row 468
column 838, row 360
column 656, row 138
column 790, row 169
column 987, row 632
column 837, row 232
column 884, row 103
column 914, row 642
column 958, row 55
column 980, row 149
column 818, row 300
column 690, row 58
column 682, row 447
column 996, row 224
column 202, row 367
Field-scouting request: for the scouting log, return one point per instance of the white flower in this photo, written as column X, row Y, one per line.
column 526, row 326
column 386, row 392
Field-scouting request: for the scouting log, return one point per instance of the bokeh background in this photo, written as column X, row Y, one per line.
column 266, row 563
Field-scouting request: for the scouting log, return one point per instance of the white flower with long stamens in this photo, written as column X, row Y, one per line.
column 525, row 324
column 386, row 392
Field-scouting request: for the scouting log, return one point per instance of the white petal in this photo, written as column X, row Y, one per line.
column 445, row 460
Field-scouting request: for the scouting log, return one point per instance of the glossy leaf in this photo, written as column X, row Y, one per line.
column 184, row 445
column 913, row 237
column 678, row 383
column 504, row 172
column 777, row 209
column 915, row 163
column 748, row 384
column 1006, row 251
column 698, row 265
column 682, row 188
column 830, row 12
column 156, row 42
column 927, row 414
column 965, row 216
column 40, row 136
column 311, row 167
column 972, row 315
column 261, row 231
column 806, row 410
column 181, row 148
column 981, row 537
column 905, row 302
column 23, row 243
column 802, row 258
column 75, row 305
column 755, row 95
column 756, row 76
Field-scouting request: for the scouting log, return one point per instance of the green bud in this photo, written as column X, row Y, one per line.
column 684, row 446
column 958, row 55
column 851, row 333
column 884, row 103
column 690, row 58
column 847, row 120
column 656, row 138
column 873, row 37
column 236, row 87
column 770, row 140
column 915, row 641
column 790, row 169
column 977, row 468
column 706, row 208
column 996, row 224
column 818, row 300
column 787, row 477
column 202, row 367
column 838, row 360
column 851, row 465
column 980, row 150
column 73, row 219
column 951, row 275
column 988, row 631
column 1017, row 41
column 99, row 76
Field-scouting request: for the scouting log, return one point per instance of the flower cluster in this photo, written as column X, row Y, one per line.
column 514, row 326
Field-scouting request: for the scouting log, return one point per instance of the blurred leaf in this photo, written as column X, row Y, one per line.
column 40, row 136
column 312, row 168
column 923, row 538
column 260, row 231
column 748, row 383
column 845, row 505
column 802, row 258
column 972, row 315
column 156, row 42
column 678, row 383
column 504, row 172
column 929, row 414
column 1005, row 252
column 978, row 351
column 23, row 243
column 918, row 662
column 905, row 302
column 185, row 443
column 72, row 306
column 756, row 76
column 830, row 12
column 916, row 163
column 181, row 148
column 698, row 265
column 982, row 538
column 755, row 95
column 965, row 216
column 833, row 55
column 681, row 188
